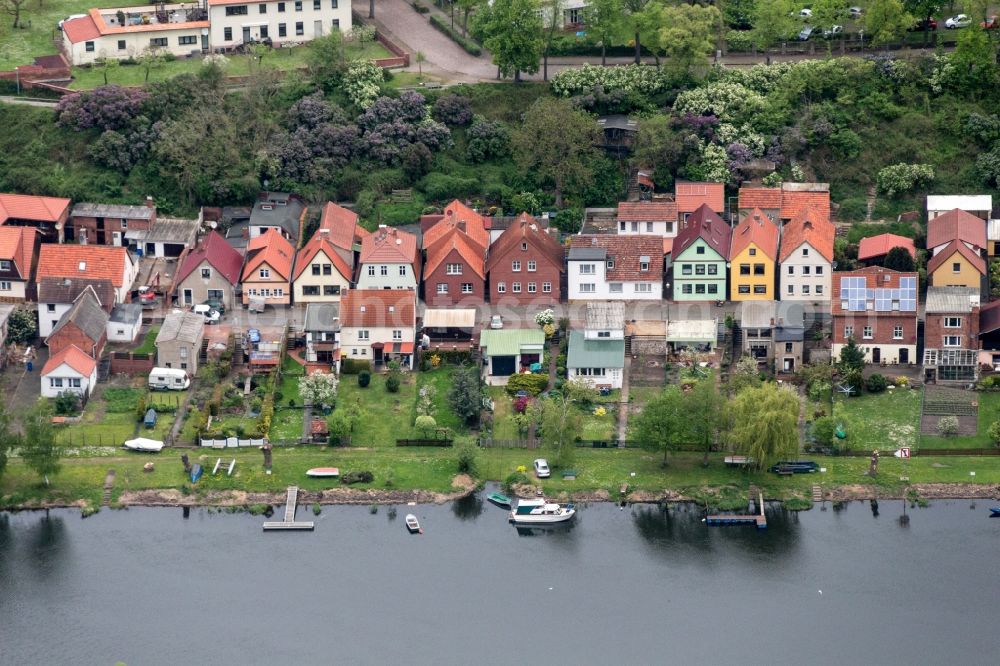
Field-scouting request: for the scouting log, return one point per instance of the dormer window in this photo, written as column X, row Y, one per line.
column 611, row 263
column 643, row 263
column 83, row 266
column 524, row 247
column 266, row 206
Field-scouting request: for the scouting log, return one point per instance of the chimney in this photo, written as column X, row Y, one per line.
column 149, row 202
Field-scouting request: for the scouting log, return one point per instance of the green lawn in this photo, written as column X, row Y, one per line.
column 238, row 65
column 600, row 427
column 386, row 416
column 148, row 345
column 989, row 411
column 20, row 46
column 880, row 421
column 286, row 426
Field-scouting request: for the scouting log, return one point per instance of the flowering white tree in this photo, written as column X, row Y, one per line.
column 545, row 317
column 318, row 389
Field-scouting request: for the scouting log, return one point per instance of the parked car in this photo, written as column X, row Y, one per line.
column 855, row 12
column 542, row 468
column 958, row 21
column 496, row 322
column 923, row 24
column 992, row 24
column 216, row 304
column 807, row 32
column 833, row 31
column 211, row 315
column 805, row 14
column 795, row 467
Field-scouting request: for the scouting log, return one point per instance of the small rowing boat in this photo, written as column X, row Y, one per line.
column 995, row 512
column 499, row 499
column 413, row 524
column 320, row 472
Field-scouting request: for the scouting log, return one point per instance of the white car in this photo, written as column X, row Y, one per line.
column 854, row 12
column 958, row 21
column 211, row 315
column 542, row 468
column 833, row 31
column 805, row 13
column 496, row 322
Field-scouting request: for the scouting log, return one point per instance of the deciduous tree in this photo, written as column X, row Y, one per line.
column 38, row 447
column 899, row 259
column 663, row 423
column 885, row 21
column 512, row 32
column 632, row 24
column 14, row 8
column 765, row 424
column 318, row 388
column 604, row 21
column 686, row 34
column 704, row 406
column 561, row 424
column 22, row 326
column 773, row 22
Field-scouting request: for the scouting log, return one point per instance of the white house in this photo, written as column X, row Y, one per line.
column 69, row 370
column 57, row 295
column 124, row 323
column 390, row 259
column 980, row 205
column 806, row 257
column 127, row 32
column 650, row 218
column 602, row 267
column 378, row 325
column 235, row 22
column 596, row 355
column 90, row 262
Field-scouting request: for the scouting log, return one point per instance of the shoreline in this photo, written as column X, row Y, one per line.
column 464, row 487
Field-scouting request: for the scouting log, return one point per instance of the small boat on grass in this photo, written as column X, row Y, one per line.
column 499, row 499
column 412, row 524
column 995, row 512
column 144, row 444
column 196, row 472
column 322, row 472
column 541, row 512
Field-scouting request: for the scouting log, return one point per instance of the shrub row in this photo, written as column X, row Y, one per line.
column 470, row 46
column 350, row 366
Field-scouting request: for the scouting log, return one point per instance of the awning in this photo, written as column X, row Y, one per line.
column 402, row 348
column 450, row 318
column 693, row 330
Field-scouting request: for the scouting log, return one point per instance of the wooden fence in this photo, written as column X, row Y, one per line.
column 129, row 363
column 425, row 442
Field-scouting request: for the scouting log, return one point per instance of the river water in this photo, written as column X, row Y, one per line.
column 637, row 585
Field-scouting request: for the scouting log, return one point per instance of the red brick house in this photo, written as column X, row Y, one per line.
column 84, row 325
column 106, row 224
column 951, row 334
column 456, row 214
column 47, row 214
column 525, row 256
column 877, row 308
column 18, row 261
column 455, row 270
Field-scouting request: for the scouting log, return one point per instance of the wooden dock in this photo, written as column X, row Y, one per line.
column 289, row 523
column 757, row 519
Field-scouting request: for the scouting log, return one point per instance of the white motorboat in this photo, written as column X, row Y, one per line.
column 541, row 512
column 143, row 444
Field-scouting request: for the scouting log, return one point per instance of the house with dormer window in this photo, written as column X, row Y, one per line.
column 390, row 259
column 603, row 267
column 700, row 253
column 267, row 273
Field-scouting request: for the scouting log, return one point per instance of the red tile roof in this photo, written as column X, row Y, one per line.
column 218, row 253
column 877, row 246
column 626, row 251
column 31, row 207
column 472, row 253
column 793, row 202
column 310, row 250
column 704, row 223
column 756, row 228
column 98, row 262
column 17, row 244
column 526, row 229
column 455, row 214
column 81, row 29
column 93, row 25
column 689, row 196
column 272, row 249
column 371, row 308
column 765, row 198
column 341, row 225
column 647, row 211
column 809, row 226
column 989, row 317
column 389, row 245
column 949, row 251
column 75, row 358
column 956, row 225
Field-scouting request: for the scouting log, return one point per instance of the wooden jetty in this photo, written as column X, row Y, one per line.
column 289, row 523
column 741, row 518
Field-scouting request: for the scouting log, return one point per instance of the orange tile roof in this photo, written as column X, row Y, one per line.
column 956, row 224
column 310, row 250
column 765, row 198
column 75, row 358
column 668, row 246
column 455, row 213
column 31, row 207
column 341, row 225
column 877, row 246
column 17, row 244
column 98, row 262
column 389, row 245
column 81, row 29
column 792, row 203
column 756, row 228
column 472, row 253
column 949, row 250
column 647, row 211
column 689, row 196
column 809, row 226
column 273, row 250
column 373, row 308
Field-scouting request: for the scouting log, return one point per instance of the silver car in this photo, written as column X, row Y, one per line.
column 542, row 468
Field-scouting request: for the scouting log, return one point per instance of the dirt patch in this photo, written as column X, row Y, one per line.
column 463, row 482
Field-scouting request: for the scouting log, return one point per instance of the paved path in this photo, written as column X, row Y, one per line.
column 28, row 102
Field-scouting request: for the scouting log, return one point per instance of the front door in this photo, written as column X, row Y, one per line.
column 876, row 355
column 377, row 353
column 904, row 355
column 188, row 297
column 246, row 35
column 204, row 42
column 789, row 365
column 317, row 29
column 116, row 238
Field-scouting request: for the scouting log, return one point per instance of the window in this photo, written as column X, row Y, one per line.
column 758, row 269
column 442, row 288
column 791, row 289
column 74, row 382
column 5, row 285
column 956, row 267
column 281, row 7
column 587, row 288
column 516, row 266
column 532, row 266
column 699, row 289
column 315, row 269
column 310, row 290
column 635, row 227
column 700, row 249
column 760, row 289
column 805, row 252
column 402, row 270
column 643, row 288
column 669, row 227
column 183, row 352
column 610, row 263
column 532, row 287
column 501, row 287
column 299, row 30
column 753, row 252
column 397, row 334
column 791, row 270
column 55, row 382
column 282, row 29
column 643, row 265
column 158, row 42
column 206, row 273
column 587, row 269
column 805, row 289
column 354, row 352
column 615, row 287
column 371, row 271
column 453, row 269
column 649, row 227
column 467, row 287
column 317, row 5
column 364, row 351
column 744, row 269
column 263, row 32
column 121, row 44
column 897, row 333
column 699, row 269
column 713, row 289
column 546, row 287
column 383, row 270
column 515, row 287
column 88, row 47
column 805, row 270
column 819, row 289
column 186, row 40
column 686, row 269
column 298, row 5
column 952, row 322
column 237, row 10
column 621, row 226
column 848, row 332
column 713, row 269
column 331, row 290
column 604, row 334
column 686, row 289
column 952, row 341
column 524, row 247
column 362, row 334
column 264, row 273
column 866, row 333
column 744, row 289
column 227, row 34
column 50, row 307
column 334, row 4
column 819, row 270
column 262, row 8
column 788, row 347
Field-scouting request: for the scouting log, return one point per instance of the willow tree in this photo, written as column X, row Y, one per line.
column 765, row 424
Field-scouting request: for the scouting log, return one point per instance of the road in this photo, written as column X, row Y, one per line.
column 28, row 101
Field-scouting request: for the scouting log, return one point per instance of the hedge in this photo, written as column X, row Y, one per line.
column 470, row 46
column 350, row 366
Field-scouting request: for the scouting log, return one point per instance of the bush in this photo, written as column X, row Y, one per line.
column 533, row 384
column 990, row 383
column 948, row 426
column 364, row 378
column 357, row 477
column 441, row 187
column 899, row 178
column 470, row 46
column 66, row 403
column 823, row 429
column 362, row 83
column 467, row 460
column 421, row 9
column 451, row 109
column 515, row 479
column 426, row 424
column 876, row 383
column 350, row 366
column 994, row 432
column 739, row 40
column 486, row 140
column 392, row 383
column 902, row 381
column 638, row 79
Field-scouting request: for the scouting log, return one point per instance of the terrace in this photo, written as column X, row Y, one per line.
column 143, row 15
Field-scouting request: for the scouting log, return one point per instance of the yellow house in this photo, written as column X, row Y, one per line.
column 957, row 265
column 321, row 273
column 753, row 255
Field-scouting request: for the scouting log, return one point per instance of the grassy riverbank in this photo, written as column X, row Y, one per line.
column 600, row 475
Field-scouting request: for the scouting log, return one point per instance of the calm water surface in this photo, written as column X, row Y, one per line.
column 638, row 585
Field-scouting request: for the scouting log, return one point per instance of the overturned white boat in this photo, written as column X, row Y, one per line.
column 540, row 512
column 143, row 444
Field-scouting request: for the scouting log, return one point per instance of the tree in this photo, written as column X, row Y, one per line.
column 8, row 438
column 326, row 61
column 852, row 357
column 421, row 59
column 318, row 389
column 561, row 425
column 660, row 146
column 686, row 34
column 13, row 7
column 773, row 22
column 745, row 374
column 556, row 143
column 343, row 421
column 662, row 425
column 975, row 61
column 765, row 424
column 22, row 326
column 552, row 10
column 604, row 21
column 38, row 447
column 149, row 59
column 513, row 34
column 581, row 392
column 467, row 6
column 106, row 65
column 465, row 394
column 923, row 10
column 703, row 406
column 826, row 14
column 899, row 259
column 632, row 23
column 885, row 20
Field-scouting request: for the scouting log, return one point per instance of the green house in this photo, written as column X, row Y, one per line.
column 698, row 263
